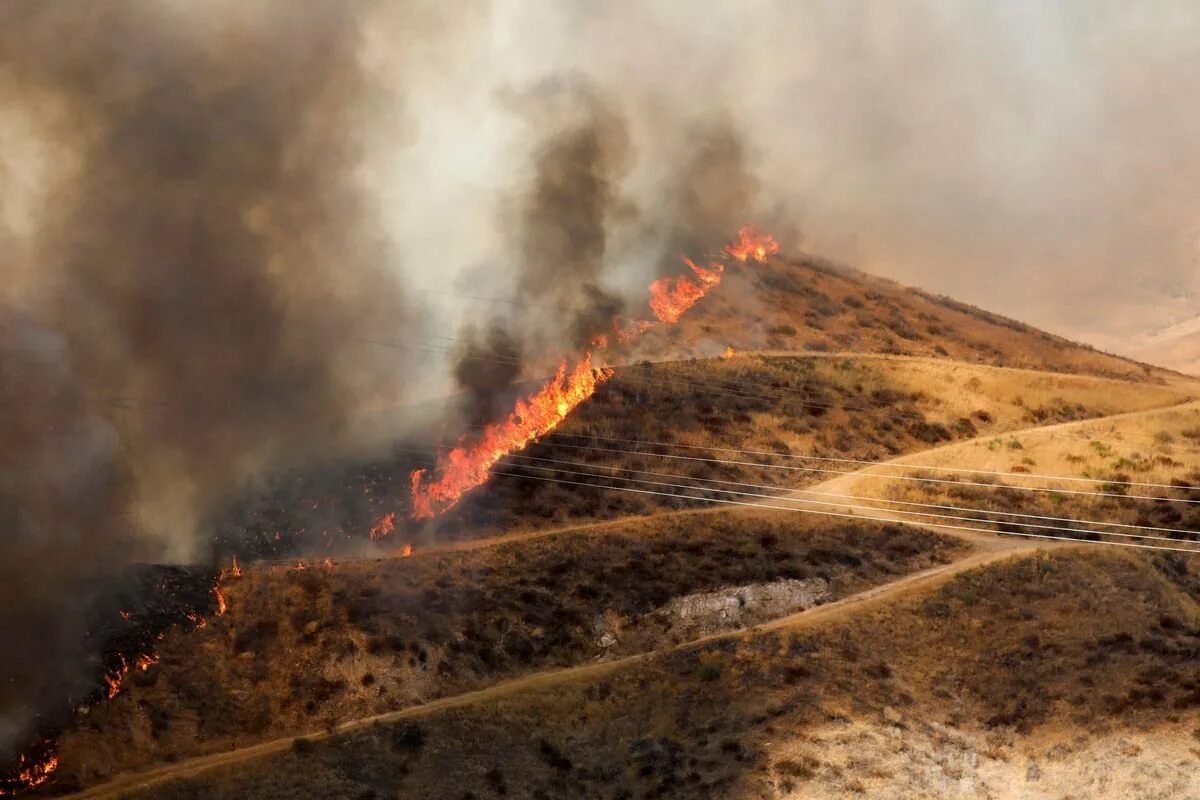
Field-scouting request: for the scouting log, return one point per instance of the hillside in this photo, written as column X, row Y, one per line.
column 808, row 304
column 609, row 562
column 863, row 706
column 860, row 407
column 308, row 647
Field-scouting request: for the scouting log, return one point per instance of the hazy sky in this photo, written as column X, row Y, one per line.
column 1035, row 158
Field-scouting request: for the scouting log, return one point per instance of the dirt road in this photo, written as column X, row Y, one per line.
column 987, row 549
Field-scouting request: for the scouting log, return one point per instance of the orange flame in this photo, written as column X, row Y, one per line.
column 407, row 551
column 752, row 245
column 729, row 353
column 220, row 597
column 671, row 297
column 235, row 570
column 113, row 679
column 383, row 527
column 37, row 773
column 467, row 466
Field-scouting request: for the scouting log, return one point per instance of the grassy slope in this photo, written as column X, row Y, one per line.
column 810, row 304
column 301, row 648
column 1161, row 447
column 1070, row 644
column 865, row 409
column 876, row 407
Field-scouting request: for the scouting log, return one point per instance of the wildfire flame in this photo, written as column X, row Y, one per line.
column 220, row 598
column 235, row 570
column 36, row 773
column 467, row 466
column 752, row 245
column 406, row 551
column 729, row 353
column 383, row 527
column 113, row 679
column 671, row 297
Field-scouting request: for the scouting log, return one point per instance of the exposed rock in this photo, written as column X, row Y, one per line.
column 738, row 606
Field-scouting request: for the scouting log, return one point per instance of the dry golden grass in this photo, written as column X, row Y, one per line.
column 1158, row 447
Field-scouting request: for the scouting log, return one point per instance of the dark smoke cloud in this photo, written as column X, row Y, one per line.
column 715, row 191
column 487, row 364
column 561, row 221
column 562, row 217
column 206, row 261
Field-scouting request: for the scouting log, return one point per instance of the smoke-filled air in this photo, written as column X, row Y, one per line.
column 245, row 242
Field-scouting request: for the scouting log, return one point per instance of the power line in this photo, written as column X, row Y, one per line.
column 871, row 474
column 842, row 505
column 858, row 497
column 879, row 463
column 849, row 516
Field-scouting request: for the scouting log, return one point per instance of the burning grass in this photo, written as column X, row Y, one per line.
column 128, row 621
column 865, row 408
column 1072, row 647
column 300, row 648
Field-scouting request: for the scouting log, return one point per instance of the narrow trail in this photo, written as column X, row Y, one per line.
column 818, row 615
column 840, row 484
column 986, row 549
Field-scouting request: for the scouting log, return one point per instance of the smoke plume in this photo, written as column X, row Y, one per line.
column 186, row 316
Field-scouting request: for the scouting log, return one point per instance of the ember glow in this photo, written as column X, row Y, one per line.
column 33, row 772
column 467, row 465
column 406, row 551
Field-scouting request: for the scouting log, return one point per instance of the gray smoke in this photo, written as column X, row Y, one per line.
column 188, row 316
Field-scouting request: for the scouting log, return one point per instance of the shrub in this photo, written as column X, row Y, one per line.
column 408, row 736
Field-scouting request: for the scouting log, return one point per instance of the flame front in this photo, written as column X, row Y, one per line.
column 467, row 466
column 671, row 297
column 384, row 527
column 33, row 773
column 752, row 245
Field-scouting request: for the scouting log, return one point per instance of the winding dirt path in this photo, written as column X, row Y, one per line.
column 915, row 582
column 986, row 549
